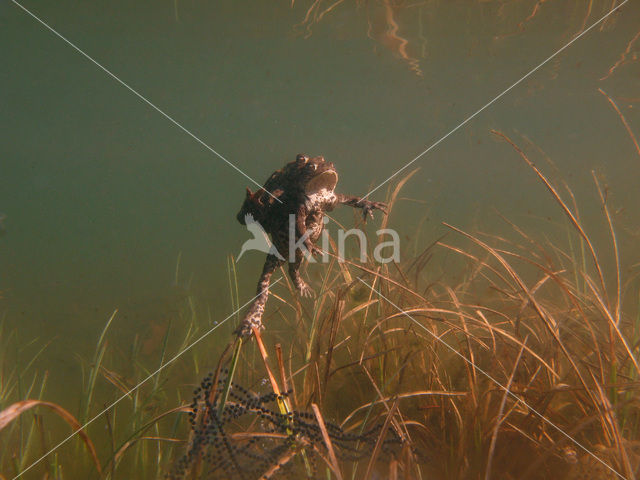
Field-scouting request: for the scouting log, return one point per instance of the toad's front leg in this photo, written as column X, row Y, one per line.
column 301, row 231
column 285, row 242
column 294, row 272
column 367, row 206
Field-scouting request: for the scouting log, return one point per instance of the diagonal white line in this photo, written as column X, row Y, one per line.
column 164, row 365
column 504, row 92
column 140, row 96
column 483, row 372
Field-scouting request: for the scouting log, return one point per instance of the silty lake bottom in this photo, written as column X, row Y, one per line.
column 519, row 231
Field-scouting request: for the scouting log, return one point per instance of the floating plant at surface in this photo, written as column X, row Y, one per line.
column 251, row 439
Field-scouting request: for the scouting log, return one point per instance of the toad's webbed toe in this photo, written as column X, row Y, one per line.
column 305, row 290
column 368, row 207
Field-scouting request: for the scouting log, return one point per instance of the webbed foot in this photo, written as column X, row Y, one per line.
column 368, row 207
column 305, row 290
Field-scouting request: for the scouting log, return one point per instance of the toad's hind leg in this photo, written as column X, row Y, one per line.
column 294, row 272
column 253, row 318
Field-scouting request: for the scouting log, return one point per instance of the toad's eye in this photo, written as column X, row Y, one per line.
column 302, row 158
column 314, row 166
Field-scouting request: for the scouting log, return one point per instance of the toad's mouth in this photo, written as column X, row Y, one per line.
column 323, row 181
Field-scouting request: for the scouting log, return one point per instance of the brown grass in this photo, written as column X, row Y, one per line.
column 517, row 360
column 525, row 368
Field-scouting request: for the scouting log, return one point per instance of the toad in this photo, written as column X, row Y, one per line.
column 290, row 207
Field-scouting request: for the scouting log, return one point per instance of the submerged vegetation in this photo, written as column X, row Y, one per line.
column 247, row 453
column 509, row 354
column 483, row 356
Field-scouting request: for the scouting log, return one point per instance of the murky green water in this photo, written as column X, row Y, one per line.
column 102, row 194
